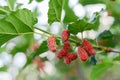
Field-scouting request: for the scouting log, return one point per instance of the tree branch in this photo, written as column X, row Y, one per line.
column 106, row 49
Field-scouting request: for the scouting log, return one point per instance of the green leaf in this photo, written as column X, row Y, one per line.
column 117, row 58
column 105, row 35
column 77, row 26
column 106, row 38
column 80, row 26
column 4, row 68
column 39, row 0
column 42, row 48
column 30, row 1
column 55, row 10
column 17, row 23
column 2, row 49
column 99, row 69
column 69, row 14
column 4, row 10
column 11, row 4
column 85, row 2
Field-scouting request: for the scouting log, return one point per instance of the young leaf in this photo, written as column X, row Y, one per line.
column 55, row 10
column 17, row 23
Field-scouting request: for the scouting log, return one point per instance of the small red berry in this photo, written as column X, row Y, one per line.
column 88, row 47
column 52, row 43
column 67, row 60
column 82, row 53
column 72, row 56
column 61, row 53
column 65, row 35
column 66, row 45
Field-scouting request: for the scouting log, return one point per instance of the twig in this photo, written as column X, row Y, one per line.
column 106, row 49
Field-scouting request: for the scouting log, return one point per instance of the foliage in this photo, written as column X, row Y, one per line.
column 55, row 9
column 19, row 25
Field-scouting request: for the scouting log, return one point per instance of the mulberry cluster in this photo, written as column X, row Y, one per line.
column 64, row 52
column 84, row 51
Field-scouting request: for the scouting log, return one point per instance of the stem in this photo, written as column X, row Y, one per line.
column 82, row 36
column 107, row 49
column 10, row 7
column 41, row 34
column 62, row 25
column 55, row 35
column 1, row 9
column 43, row 30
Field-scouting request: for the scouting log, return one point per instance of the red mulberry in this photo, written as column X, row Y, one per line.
column 52, row 43
column 61, row 53
column 88, row 47
column 66, row 45
column 72, row 56
column 67, row 60
column 82, row 53
column 65, row 35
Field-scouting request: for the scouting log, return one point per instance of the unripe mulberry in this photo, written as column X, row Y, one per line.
column 88, row 47
column 65, row 35
column 61, row 53
column 66, row 45
column 52, row 43
column 82, row 53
